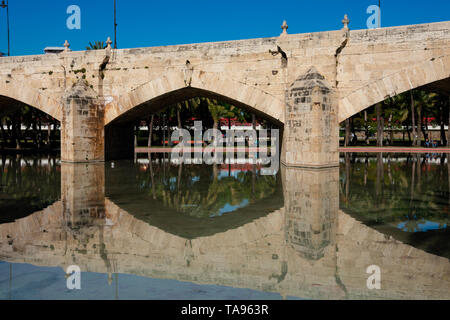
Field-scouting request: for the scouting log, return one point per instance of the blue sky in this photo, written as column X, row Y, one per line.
column 36, row 24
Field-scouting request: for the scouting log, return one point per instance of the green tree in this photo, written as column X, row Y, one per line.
column 97, row 45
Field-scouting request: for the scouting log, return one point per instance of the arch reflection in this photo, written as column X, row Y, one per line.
column 193, row 200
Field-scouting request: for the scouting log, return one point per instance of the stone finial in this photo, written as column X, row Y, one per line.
column 284, row 27
column 66, row 46
column 108, row 43
column 345, row 22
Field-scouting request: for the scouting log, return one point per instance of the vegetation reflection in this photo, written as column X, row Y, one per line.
column 27, row 184
column 405, row 196
column 222, row 196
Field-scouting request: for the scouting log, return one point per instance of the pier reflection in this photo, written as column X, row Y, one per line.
column 311, row 208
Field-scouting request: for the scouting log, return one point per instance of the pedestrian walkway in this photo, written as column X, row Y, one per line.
column 395, row 149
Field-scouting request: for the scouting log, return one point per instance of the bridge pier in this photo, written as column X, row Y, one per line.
column 311, row 132
column 82, row 125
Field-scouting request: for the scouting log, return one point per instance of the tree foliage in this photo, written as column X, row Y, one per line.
column 97, row 45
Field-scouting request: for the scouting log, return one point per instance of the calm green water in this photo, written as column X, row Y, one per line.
column 27, row 184
column 193, row 200
column 151, row 229
column 403, row 195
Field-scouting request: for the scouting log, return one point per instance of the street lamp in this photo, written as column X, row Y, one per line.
column 3, row 5
column 115, row 26
column 379, row 13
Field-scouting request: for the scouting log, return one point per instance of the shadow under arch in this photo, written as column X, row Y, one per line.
column 25, row 122
column 29, row 175
column 433, row 74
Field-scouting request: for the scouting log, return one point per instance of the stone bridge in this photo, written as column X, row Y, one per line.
column 305, row 83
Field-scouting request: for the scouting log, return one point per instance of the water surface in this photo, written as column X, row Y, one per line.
column 152, row 229
column 402, row 195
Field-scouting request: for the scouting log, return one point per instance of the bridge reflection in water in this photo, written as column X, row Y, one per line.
column 291, row 238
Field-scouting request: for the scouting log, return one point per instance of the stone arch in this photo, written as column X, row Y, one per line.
column 416, row 76
column 24, row 93
column 174, row 82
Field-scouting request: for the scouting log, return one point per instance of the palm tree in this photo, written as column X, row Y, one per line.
column 413, row 117
column 380, row 124
column 97, row 45
column 366, row 128
column 150, row 130
column 217, row 111
column 398, row 110
column 239, row 114
column 347, row 133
